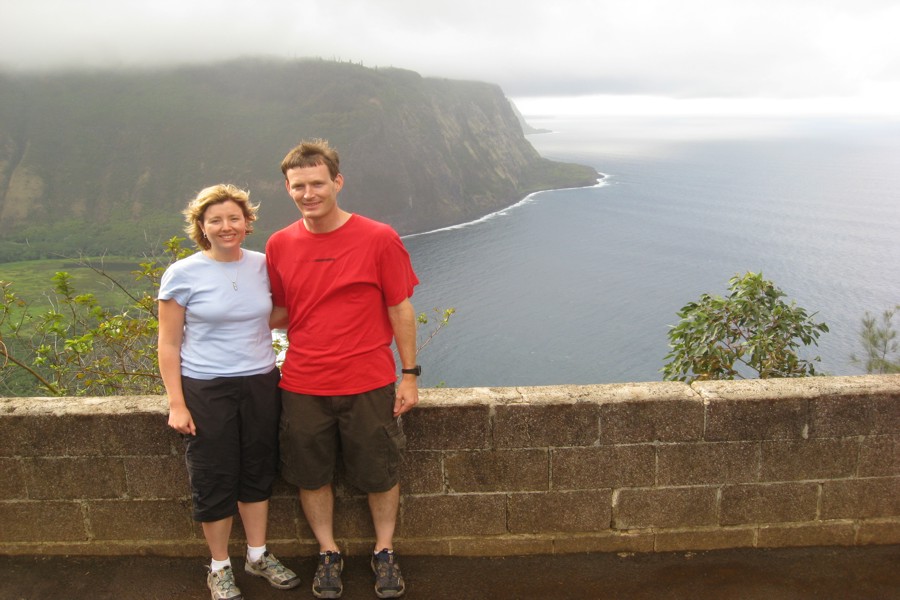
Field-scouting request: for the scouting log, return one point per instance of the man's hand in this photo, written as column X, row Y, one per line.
column 407, row 395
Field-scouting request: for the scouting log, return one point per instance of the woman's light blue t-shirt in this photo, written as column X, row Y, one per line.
column 226, row 322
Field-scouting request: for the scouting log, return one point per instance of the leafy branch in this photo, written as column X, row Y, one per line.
column 880, row 343
column 752, row 329
column 78, row 347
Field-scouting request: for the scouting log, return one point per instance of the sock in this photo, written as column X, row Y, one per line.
column 218, row 565
column 254, row 554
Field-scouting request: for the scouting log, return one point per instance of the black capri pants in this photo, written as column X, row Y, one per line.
column 234, row 455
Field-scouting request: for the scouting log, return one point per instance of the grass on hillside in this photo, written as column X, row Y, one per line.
column 32, row 280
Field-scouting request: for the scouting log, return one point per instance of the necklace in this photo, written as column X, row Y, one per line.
column 233, row 281
column 237, row 270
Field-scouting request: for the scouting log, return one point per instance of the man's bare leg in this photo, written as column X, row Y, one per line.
column 318, row 506
column 384, row 507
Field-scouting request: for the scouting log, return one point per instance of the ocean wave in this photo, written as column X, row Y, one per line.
column 602, row 181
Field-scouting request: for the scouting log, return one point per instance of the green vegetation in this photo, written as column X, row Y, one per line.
column 93, row 333
column 879, row 340
column 71, row 343
column 31, row 278
column 750, row 330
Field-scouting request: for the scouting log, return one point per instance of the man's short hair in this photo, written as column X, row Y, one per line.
column 312, row 153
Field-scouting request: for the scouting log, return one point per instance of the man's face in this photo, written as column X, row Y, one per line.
column 313, row 191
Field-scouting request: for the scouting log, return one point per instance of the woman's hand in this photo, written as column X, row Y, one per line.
column 181, row 421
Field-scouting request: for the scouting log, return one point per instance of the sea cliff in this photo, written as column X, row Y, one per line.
column 104, row 161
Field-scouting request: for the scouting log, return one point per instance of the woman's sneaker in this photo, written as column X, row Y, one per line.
column 221, row 585
column 273, row 571
column 388, row 580
column 327, row 582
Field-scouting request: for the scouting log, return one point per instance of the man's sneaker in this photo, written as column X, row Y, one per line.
column 388, row 580
column 327, row 582
column 273, row 571
column 221, row 585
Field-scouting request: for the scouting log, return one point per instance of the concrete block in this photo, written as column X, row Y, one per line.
column 706, row 463
column 103, row 435
column 841, row 416
column 352, row 518
column 12, row 480
column 602, row 467
column 806, row 534
column 802, row 460
column 140, row 519
column 705, row 539
column 141, row 434
column 421, row 472
column 541, row 426
column 634, row 422
column 457, row 515
column 502, row 546
column 157, row 477
column 640, row 508
column 17, row 436
column 497, row 470
column 552, row 512
column 768, row 503
column 420, row 547
column 290, row 548
column 74, row 478
column 286, row 519
column 879, row 456
column 285, row 522
column 41, row 522
column 886, row 413
column 744, row 419
column 604, row 541
column 607, row 393
column 447, row 428
column 878, row 531
column 861, row 498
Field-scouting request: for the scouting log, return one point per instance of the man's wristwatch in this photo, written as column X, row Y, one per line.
column 417, row 370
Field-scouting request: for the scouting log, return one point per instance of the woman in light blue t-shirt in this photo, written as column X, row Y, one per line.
column 218, row 365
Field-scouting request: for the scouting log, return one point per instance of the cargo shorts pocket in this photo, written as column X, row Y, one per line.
column 396, row 445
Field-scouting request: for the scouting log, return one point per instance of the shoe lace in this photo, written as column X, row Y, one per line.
column 328, row 570
column 386, row 569
column 225, row 580
column 270, row 563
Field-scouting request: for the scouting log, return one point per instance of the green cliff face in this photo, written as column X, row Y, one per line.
column 105, row 161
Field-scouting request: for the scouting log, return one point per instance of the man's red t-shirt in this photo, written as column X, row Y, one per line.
column 337, row 287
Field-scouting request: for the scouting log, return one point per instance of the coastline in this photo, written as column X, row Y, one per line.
column 602, row 180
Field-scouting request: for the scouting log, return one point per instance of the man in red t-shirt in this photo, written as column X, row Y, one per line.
column 341, row 285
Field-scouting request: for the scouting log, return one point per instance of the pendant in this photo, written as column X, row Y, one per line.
column 234, row 285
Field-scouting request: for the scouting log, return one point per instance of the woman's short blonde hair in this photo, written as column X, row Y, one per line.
column 216, row 194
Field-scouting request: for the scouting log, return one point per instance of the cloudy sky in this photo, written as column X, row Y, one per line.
column 815, row 56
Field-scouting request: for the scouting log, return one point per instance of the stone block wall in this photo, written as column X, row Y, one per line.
column 636, row 467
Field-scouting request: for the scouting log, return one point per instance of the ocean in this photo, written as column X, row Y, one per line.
column 580, row 286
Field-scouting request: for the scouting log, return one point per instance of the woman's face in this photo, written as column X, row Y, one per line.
column 225, row 226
